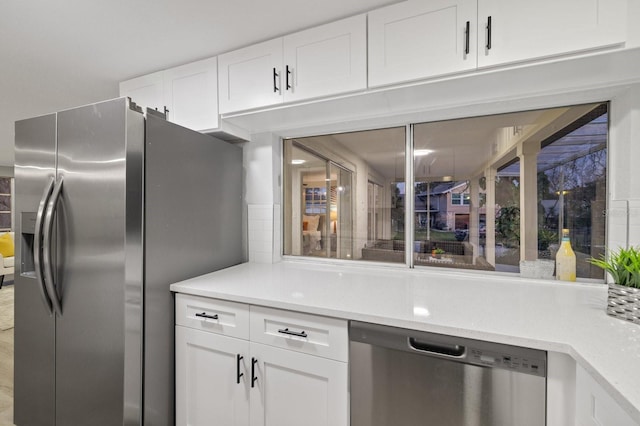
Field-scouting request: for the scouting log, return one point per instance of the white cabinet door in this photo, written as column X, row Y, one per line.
column 191, row 94
column 418, row 39
column 594, row 406
column 321, row 61
column 524, row 29
column 294, row 389
column 326, row 60
column 146, row 91
column 251, row 77
column 207, row 388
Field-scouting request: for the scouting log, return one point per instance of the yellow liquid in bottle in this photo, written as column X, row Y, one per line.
column 565, row 259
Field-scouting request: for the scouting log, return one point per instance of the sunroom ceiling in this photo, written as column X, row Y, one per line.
column 462, row 148
column 589, row 137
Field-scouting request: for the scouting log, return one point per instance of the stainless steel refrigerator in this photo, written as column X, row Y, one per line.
column 112, row 206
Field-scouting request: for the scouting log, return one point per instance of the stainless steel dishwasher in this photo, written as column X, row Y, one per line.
column 403, row 377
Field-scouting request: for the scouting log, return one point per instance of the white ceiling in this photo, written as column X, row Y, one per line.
column 59, row 54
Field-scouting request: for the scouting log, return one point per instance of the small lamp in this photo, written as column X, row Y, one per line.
column 333, row 215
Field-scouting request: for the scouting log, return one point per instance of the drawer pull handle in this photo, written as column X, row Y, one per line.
column 238, row 373
column 293, row 333
column 254, row 361
column 205, row 315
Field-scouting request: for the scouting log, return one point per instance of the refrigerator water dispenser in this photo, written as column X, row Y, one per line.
column 28, row 226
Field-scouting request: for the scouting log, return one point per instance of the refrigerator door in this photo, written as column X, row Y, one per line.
column 34, row 351
column 94, row 143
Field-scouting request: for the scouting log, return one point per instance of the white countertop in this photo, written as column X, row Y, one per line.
column 548, row 315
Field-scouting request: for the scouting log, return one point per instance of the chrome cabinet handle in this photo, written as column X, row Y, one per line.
column 46, row 249
column 205, row 315
column 238, row 373
column 293, row 333
column 254, row 379
column 37, row 246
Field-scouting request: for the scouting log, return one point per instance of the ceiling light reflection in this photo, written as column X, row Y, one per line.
column 420, row 311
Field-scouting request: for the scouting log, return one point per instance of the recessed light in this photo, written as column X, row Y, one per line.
column 422, row 152
column 298, row 161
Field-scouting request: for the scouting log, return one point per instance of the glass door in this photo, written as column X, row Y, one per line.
column 341, row 213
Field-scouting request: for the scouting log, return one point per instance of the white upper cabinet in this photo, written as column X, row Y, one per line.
column 191, row 94
column 188, row 94
column 418, row 39
column 326, row 60
column 524, row 29
column 321, row 61
column 251, row 77
column 146, row 91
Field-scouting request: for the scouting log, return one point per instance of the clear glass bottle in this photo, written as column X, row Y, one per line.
column 565, row 259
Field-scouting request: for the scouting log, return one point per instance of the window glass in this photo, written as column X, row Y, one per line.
column 344, row 196
column 488, row 192
column 5, row 203
column 481, row 181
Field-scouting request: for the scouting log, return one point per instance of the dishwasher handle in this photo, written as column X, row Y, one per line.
column 457, row 351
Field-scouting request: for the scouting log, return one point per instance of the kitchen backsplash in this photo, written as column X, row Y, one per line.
column 264, row 233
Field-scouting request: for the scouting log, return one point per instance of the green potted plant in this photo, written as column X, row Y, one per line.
column 437, row 253
column 624, row 293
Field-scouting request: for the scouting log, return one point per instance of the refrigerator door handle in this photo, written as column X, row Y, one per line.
column 46, row 249
column 37, row 246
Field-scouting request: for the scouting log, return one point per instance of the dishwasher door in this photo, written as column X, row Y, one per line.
column 402, row 377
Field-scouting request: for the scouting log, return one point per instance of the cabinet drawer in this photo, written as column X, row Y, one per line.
column 316, row 335
column 213, row 315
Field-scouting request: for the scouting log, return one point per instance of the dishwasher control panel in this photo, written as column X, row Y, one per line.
column 508, row 361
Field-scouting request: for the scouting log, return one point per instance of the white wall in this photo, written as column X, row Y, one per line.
column 262, row 164
column 624, row 191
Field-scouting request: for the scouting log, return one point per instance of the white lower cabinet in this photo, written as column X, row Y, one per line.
column 233, row 381
column 293, row 389
column 594, row 405
column 211, row 379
